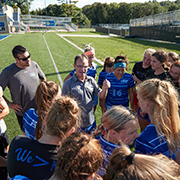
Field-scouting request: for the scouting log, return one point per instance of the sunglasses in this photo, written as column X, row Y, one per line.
column 109, row 64
column 26, row 58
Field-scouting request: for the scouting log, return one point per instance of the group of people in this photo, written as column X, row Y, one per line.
column 60, row 139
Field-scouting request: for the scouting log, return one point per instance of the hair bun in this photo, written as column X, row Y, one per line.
column 66, row 105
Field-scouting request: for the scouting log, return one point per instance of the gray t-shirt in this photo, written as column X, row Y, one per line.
column 84, row 94
column 22, row 84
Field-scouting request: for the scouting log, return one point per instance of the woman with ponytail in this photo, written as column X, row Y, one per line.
column 108, row 68
column 36, row 159
column 126, row 165
column 33, row 119
column 118, row 123
column 159, row 100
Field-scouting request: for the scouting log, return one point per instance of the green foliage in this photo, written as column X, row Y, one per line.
column 123, row 12
column 64, row 10
column 22, row 4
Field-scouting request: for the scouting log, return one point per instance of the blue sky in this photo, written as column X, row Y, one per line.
column 43, row 3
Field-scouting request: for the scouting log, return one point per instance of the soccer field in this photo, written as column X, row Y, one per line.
column 48, row 47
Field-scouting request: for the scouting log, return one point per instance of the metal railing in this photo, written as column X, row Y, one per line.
column 162, row 19
column 112, row 26
column 20, row 25
column 40, row 21
column 73, row 26
column 45, row 18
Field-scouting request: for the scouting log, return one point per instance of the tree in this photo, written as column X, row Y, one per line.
column 22, row 4
column 97, row 12
column 65, row 10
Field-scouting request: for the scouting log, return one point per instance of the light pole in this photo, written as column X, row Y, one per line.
column 45, row 6
column 28, row 8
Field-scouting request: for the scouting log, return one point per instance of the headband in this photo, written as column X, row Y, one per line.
column 120, row 65
column 90, row 52
column 130, row 158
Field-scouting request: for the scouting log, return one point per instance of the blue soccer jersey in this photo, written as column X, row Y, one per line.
column 92, row 71
column 107, row 148
column 118, row 92
column 102, row 76
column 149, row 142
column 30, row 119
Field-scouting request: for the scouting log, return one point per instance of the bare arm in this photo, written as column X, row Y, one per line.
column 106, row 86
column 4, row 108
column 135, row 78
column 13, row 106
column 131, row 95
column 3, row 105
column 102, row 102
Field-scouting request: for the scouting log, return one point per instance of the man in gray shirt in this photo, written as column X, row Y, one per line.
column 22, row 79
column 82, row 88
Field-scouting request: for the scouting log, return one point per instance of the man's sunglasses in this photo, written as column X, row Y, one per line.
column 26, row 58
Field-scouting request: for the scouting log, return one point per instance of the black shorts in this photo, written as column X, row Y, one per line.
column 20, row 121
column 4, row 142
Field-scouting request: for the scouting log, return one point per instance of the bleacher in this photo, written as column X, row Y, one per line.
column 171, row 18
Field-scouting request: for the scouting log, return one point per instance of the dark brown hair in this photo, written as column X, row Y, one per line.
column 18, row 50
column 109, row 61
column 176, row 64
column 79, row 157
column 81, row 57
column 121, row 58
column 162, row 57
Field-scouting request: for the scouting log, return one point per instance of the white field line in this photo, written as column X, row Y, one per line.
column 78, row 35
column 98, row 60
column 59, row 77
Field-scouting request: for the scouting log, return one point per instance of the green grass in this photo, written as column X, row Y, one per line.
column 113, row 46
column 64, row 53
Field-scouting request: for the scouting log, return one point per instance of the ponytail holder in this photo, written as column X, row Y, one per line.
column 157, row 83
column 130, row 158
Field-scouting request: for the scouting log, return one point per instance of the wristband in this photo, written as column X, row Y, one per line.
column 9, row 104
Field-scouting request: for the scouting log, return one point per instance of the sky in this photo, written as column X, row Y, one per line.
column 43, row 3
